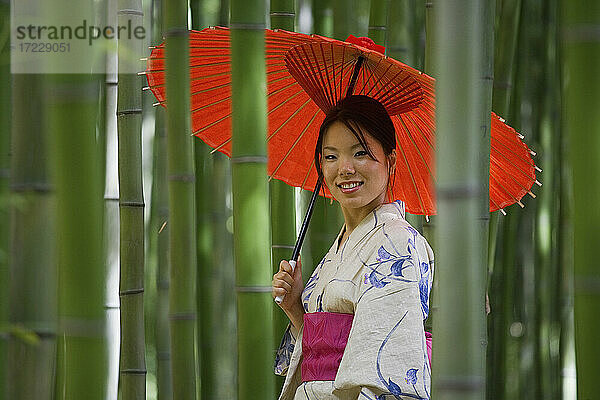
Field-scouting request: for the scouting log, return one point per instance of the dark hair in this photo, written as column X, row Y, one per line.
column 359, row 112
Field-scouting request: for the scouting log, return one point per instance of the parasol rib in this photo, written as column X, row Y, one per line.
column 295, row 143
column 411, row 176
column 409, row 133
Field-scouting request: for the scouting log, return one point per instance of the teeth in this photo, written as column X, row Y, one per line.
column 349, row 185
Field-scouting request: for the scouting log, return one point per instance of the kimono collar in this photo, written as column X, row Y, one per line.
column 385, row 212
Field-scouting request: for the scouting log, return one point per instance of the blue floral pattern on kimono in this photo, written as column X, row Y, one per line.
column 382, row 274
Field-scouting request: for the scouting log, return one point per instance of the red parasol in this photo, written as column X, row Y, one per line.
column 306, row 76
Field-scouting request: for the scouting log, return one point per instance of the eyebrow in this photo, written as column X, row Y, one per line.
column 335, row 148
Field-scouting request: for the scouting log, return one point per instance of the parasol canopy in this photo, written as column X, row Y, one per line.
column 306, row 76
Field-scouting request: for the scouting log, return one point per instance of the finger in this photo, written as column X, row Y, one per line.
column 283, row 284
column 285, row 266
column 278, row 292
column 298, row 270
column 283, row 276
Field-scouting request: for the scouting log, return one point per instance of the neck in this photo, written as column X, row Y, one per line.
column 354, row 216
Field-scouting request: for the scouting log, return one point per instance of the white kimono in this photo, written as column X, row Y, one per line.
column 382, row 274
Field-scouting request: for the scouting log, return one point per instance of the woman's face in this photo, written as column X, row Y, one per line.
column 354, row 179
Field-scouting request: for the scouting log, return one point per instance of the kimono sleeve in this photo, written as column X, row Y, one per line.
column 285, row 350
column 386, row 355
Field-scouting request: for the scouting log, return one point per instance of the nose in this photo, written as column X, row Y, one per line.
column 346, row 167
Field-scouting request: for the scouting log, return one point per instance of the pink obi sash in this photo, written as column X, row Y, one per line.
column 324, row 339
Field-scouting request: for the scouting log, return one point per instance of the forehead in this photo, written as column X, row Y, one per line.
column 338, row 135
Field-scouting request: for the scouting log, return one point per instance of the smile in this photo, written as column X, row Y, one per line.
column 349, row 187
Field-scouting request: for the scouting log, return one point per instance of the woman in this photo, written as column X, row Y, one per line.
column 360, row 316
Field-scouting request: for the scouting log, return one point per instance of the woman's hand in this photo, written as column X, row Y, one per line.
column 287, row 282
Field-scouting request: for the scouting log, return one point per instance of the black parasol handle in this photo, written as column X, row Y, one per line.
column 303, row 230
column 306, row 221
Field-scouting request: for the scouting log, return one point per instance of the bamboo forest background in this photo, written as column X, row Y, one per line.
column 135, row 294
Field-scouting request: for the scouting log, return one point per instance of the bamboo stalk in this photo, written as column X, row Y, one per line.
column 487, row 12
column 159, row 235
column 548, row 289
column 33, row 296
column 182, row 236
column 322, row 14
column 402, row 29
column 282, row 196
column 581, row 53
column 250, row 201
column 71, row 121
column 224, row 13
column 378, row 21
column 206, row 295
column 458, row 360
column 132, row 365
column 345, row 19
column 499, row 321
column 160, row 232
column 5, row 106
column 224, row 281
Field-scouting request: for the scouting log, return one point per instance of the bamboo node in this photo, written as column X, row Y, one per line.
column 129, row 292
column 182, row 316
column 134, row 371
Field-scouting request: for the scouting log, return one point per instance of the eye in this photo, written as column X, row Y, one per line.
column 361, row 153
column 329, row 157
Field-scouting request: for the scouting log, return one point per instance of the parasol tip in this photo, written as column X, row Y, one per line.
column 533, row 153
column 156, row 104
column 142, row 73
column 520, row 204
column 427, row 218
column 146, row 88
column 144, row 59
column 538, row 183
column 538, row 169
column 502, row 119
column 531, row 194
column 520, row 136
column 503, row 212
